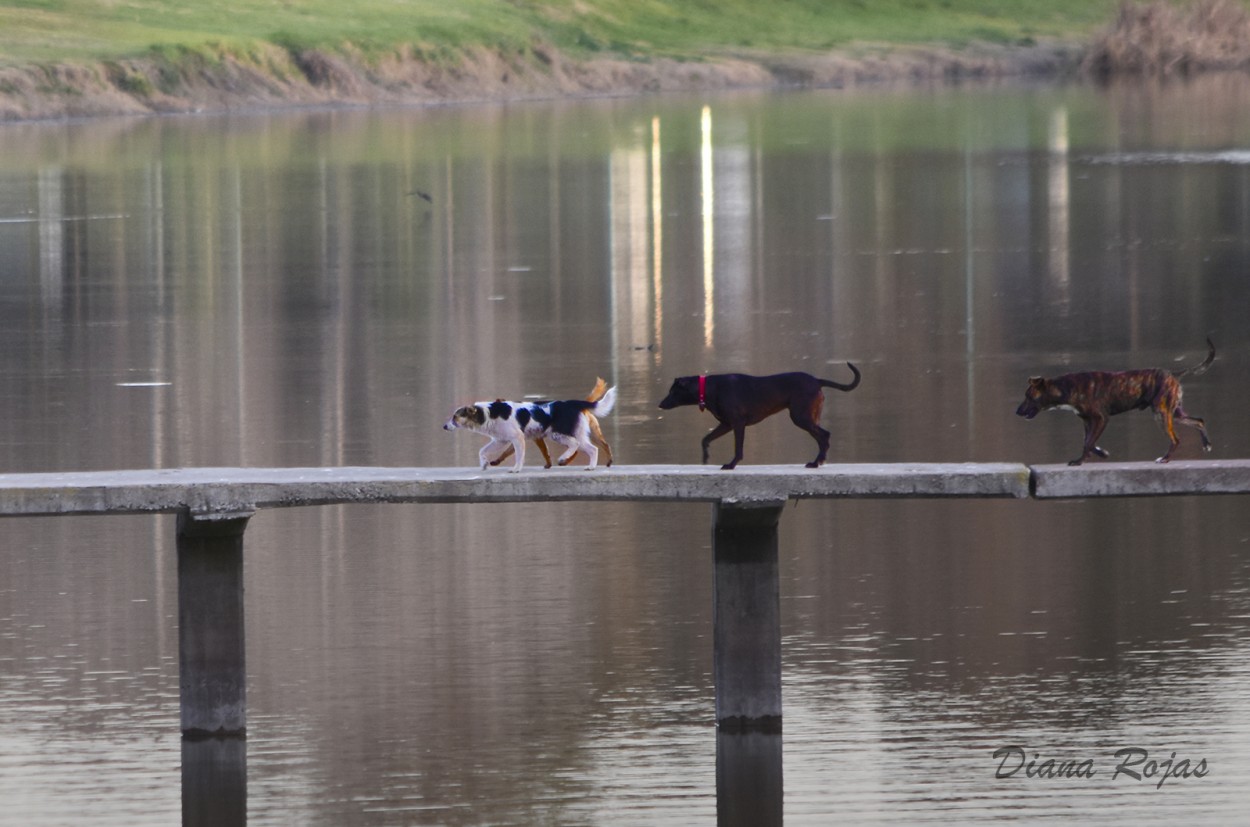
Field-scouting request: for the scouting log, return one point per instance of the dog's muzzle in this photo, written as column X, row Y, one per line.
column 1027, row 409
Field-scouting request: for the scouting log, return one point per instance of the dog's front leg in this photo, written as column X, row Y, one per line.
column 716, row 433
column 740, row 432
column 1094, row 426
column 518, row 445
column 486, row 456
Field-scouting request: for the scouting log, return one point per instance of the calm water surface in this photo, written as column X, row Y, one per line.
column 271, row 290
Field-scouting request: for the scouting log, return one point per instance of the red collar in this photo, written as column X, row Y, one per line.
column 702, row 393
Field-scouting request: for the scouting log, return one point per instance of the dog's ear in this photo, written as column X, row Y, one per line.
column 1037, row 382
column 686, row 388
column 683, row 391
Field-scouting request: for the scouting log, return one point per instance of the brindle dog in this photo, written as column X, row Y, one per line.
column 1096, row 396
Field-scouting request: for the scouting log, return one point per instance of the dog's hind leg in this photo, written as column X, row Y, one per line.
column 807, row 420
column 571, row 445
column 822, row 440
column 542, row 449
column 596, row 435
column 1168, row 419
column 1198, row 422
column 592, row 454
column 580, row 440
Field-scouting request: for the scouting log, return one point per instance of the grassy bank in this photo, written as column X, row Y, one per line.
column 74, row 57
column 53, row 30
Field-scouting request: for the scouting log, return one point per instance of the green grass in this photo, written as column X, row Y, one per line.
column 51, row 30
column 42, row 30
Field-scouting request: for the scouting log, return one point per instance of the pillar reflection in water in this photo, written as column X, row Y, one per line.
column 748, row 779
column 214, row 782
column 1059, row 204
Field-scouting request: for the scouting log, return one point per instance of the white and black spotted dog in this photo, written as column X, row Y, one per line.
column 511, row 423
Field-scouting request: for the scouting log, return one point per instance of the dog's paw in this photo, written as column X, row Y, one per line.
column 1076, row 462
column 1161, row 460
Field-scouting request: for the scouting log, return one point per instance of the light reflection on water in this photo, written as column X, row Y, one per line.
column 266, row 291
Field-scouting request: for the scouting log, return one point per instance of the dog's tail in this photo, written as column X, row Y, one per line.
column 596, row 393
column 1198, row 370
column 829, row 383
column 604, row 404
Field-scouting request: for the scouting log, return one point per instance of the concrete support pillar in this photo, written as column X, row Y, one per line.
column 746, row 617
column 212, row 677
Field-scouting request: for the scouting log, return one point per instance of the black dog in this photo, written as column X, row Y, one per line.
column 738, row 400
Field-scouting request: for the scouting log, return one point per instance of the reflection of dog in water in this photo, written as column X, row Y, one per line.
column 738, row 400
column 1096, row 396
column 596, row 434
column 509, row 424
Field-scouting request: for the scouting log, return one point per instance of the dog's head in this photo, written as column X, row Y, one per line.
column 1038, row 396
column 685, row 391
column 470, row 417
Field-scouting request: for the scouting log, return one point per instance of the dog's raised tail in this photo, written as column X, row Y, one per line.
column 854, row 383
column 597, row 392
column 605, row 404
column 1198, row 370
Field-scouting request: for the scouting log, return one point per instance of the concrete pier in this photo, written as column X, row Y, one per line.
column 235, row 490
column 1140, row 479
column 212, row 673
column 746, row 617
column 214, row 504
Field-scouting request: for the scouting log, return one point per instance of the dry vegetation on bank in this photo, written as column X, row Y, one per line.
column 1161, row 39
column 1152, row 38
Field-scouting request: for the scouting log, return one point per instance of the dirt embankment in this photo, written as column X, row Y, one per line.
column 1145, row 38
column 276, row 77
